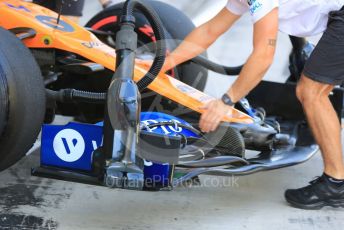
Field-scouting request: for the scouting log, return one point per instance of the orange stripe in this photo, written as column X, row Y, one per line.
column 104, row 22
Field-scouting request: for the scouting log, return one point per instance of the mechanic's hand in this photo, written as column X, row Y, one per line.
column 214, row 112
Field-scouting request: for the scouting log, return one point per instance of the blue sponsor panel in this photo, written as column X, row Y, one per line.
column 155, row 117
column 160, row 173
column 70, row 146
column 157, row 174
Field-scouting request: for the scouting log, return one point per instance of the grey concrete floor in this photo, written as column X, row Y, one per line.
column 250, row 202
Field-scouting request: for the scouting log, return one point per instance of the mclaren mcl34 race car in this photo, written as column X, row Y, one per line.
column 134, row 128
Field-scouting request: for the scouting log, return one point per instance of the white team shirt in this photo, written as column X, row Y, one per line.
column 300, row 18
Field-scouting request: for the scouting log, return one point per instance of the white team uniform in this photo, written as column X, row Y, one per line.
column 300, row 18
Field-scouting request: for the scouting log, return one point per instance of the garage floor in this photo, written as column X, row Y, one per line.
column 250, row 202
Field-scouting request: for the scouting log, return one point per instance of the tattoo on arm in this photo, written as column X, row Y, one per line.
column 272, row 42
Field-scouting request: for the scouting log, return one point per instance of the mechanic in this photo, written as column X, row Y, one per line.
column 72, row 9
column 323, row 71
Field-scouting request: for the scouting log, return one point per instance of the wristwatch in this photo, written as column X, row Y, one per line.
column 227, row 100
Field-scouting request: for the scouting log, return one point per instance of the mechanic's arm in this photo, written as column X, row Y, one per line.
column 201, row 38
column 264, row 45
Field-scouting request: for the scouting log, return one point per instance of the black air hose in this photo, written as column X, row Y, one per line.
column 73, row 95
column 159, row 60
column 212, row 66
column 154, row 20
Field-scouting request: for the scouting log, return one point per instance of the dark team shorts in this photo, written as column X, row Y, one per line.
column 69, row 7
column 326, row 64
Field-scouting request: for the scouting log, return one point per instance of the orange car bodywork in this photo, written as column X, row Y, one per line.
column 71, row 37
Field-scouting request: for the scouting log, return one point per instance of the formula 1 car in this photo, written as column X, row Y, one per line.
column 50, row 65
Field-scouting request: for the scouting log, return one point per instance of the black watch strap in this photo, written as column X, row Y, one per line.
column 227, row 100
